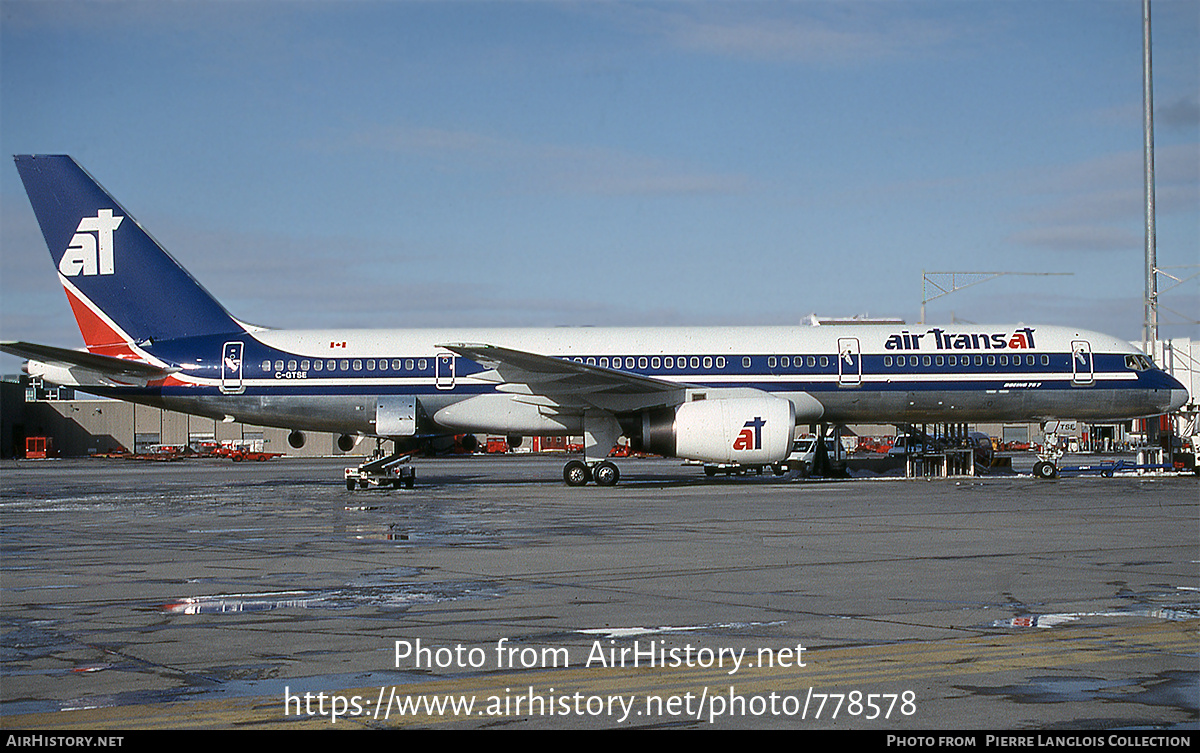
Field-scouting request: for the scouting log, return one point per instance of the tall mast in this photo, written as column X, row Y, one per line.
column 1150, row 320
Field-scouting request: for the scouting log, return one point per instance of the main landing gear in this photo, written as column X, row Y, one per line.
column 600, row 433
column 579, row 473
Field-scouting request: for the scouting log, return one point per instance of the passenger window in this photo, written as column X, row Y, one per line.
column 978, row 360
column 941, row 361
column 926, row 361
column 708, row 362
column 318, row 365
column 721, row 362
column 887, row 361
column 345, row 365
column 304, row 365
column 357, row 364
column 266, row 365
column 371, row 365
column 695, row 362
column 656, row 363
column 642, row 362
column 824, row 361
column 745, row 362
column 279, row 365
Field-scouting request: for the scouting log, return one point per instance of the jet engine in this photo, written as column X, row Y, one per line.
column 748, row 430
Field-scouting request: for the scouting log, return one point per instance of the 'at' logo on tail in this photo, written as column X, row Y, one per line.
column 750, row 437
column 91, row 254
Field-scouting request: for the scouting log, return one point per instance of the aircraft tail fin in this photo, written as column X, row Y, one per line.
column 124, row 288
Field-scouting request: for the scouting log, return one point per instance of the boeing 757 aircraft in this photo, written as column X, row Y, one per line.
column 715, row 394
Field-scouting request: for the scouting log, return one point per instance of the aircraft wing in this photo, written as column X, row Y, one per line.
column 104, row 365
column 565, row 382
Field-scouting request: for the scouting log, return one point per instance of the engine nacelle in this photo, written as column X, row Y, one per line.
column 747, row 430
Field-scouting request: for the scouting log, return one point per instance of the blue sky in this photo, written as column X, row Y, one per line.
column 393, row 164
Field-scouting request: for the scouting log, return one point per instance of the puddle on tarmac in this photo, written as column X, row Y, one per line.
column 1062, row 618
column 1174, row 689
column 349, row 597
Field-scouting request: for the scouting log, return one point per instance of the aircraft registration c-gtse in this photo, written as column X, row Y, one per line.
column 716, row 394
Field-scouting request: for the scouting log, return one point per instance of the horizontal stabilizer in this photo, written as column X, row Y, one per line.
column 91, row 361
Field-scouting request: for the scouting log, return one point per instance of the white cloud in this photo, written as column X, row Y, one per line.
column 811, row 33
column 1097, row 204
column 1078, row 238
column 551, row 167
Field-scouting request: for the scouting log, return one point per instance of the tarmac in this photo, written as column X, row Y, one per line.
column 204, row 594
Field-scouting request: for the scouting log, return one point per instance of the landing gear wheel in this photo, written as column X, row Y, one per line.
column 606, row 474
column 576, row 473
column 1044, row 469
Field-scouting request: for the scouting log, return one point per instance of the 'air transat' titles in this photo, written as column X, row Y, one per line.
column 1021, row 339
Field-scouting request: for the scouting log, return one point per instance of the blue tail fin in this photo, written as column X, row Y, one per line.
column 123, row 287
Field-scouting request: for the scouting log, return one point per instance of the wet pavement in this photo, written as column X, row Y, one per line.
column 210, row 594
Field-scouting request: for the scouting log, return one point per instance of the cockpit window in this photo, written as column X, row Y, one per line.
column 1138, row 363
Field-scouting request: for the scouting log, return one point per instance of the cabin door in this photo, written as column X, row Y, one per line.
column 849, row 362
column 444, row 371
column 1082, row 369
column 231, row 368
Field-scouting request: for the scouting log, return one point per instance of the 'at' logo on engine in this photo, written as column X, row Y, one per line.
column 750, row 437
column 91, row 254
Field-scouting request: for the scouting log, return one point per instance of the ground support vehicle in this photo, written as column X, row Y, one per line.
column 238, row 454
column 1047, row 467
column 392, row 471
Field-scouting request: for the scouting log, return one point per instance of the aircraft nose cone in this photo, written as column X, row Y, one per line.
column 1179, row 399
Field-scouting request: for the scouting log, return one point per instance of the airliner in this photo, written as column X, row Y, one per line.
column 153, row 335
